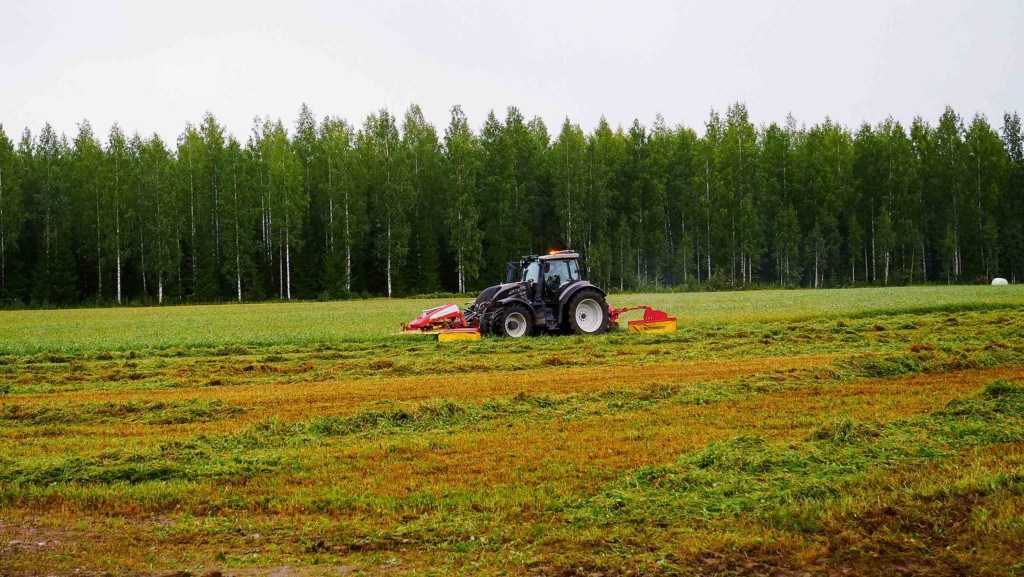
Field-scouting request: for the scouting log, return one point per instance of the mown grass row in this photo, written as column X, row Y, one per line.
column 275, row 446
column 943, row 333
column 143, row 412
column 804, row 488
column 260, row 447
column 784, row 483
column 752, row 501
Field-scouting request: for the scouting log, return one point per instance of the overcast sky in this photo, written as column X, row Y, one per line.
column 153, row 66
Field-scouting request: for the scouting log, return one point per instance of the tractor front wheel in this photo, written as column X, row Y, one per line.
column 514, row 321
column 588, row 313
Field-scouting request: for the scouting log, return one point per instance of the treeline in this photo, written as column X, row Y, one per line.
column 327, row 209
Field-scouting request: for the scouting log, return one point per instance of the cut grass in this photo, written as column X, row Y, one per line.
column 745, row 443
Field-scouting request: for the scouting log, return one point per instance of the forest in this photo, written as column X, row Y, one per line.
column 327, row 209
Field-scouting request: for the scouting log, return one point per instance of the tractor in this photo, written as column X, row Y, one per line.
column 545, row 293
column 541, row 294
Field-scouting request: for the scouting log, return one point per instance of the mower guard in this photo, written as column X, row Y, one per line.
column 654, row 321
column 440, row 318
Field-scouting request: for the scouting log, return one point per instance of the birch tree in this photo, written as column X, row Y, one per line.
column 380, row 150
column 950, row 168
column 604, row 149
column 88, row 178
column 1012, row 213
column 236, row 218
column 986, row 168
column 161, row 224
column 12, row 211
column 209, row 239
column 346, row 208
column 709, row 180
column 286, row 202
column 118, row 191
column 423, row 157
column 54, row 273
column 738, row 163
column 568, row 156
column 462, row 165
column 188, row 173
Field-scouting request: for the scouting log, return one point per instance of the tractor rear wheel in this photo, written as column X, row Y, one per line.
column 513, row 320
column 588, row 313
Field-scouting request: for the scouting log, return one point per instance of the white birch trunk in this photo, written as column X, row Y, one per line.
column 389, row 258
column 348, row 249
column 192, row 217
column 99, row 241
column 924, row 261
column 3, row 233
column 707, row 192
column 117, row 220
column 238, row 244
column 118, row 275
column 288, row 257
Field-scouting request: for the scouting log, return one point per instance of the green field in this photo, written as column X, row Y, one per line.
column 860, row 432
column 123, row 329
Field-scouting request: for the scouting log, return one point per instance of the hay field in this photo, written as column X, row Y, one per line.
column 847, row 431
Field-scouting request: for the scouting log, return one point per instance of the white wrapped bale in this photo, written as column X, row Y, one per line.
column 999, row 281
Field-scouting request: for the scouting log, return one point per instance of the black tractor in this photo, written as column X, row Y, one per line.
column 542, row 293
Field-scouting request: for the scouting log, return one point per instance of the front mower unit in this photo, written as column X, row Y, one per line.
column 445, row 323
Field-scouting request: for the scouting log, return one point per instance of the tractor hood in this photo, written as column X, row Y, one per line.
column 489, row 295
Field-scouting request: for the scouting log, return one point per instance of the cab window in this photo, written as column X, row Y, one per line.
column 557, row 274
column 574, row 271
column 531, row 273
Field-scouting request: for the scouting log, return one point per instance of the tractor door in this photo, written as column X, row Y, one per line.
column 558, row 274
column 531, row 276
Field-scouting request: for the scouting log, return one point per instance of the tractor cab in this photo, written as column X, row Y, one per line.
column 545, row 277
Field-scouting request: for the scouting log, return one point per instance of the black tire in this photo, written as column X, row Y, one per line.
column 514, row 321
column 588, row 313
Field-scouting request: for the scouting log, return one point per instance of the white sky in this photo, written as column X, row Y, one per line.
column 153, row 66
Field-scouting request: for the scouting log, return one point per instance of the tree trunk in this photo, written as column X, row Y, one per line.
column 3, row 234
column 348, row 249
column 389, row 258
column 99, row 242
column 117, row 220
column 192, row 220
column 924, row 260
column 288, row 256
